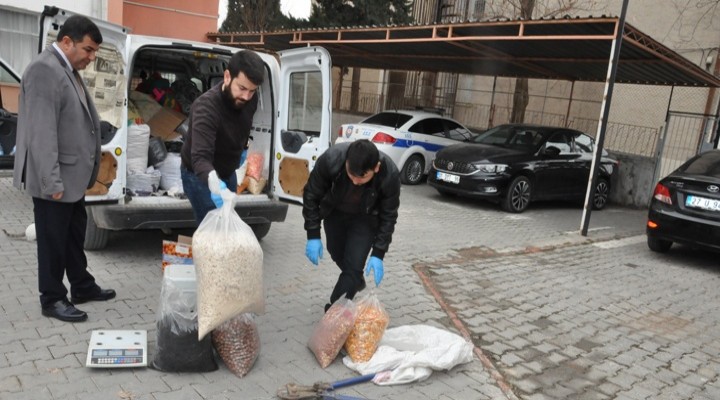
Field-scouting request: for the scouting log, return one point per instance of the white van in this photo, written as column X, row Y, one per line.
column 291, row 127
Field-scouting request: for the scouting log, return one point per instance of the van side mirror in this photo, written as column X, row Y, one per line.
column 551, row 151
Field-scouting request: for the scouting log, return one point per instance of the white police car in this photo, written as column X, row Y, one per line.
column 410, row 137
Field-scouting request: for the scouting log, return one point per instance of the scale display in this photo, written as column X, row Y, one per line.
column 117, row 349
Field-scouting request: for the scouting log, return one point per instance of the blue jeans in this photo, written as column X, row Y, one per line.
column 199, row 194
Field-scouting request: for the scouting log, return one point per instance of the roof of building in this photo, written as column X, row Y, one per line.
column 574, row 49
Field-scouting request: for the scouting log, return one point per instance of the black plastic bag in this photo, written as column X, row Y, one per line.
column 156, row 151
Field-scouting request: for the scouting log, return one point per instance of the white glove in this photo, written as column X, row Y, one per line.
column 214, row 182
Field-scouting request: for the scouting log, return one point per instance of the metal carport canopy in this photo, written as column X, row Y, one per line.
column 575, row 49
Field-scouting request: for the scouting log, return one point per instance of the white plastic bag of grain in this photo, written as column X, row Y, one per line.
column 228, row 259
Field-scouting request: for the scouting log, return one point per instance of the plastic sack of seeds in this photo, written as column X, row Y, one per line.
column 229, row 263
column 370, row 325
column 333, row 329
column 237, row 343
column 177, row 345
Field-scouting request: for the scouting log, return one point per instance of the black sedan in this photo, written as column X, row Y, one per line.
column 685, row 207
column 515, row 164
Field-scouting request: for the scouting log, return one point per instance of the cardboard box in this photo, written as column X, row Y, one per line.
column 177, row 253
column 164, row 123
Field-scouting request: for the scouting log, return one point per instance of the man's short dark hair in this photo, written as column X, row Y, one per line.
column 362, row 156
column 77, row 26
column 250, row 64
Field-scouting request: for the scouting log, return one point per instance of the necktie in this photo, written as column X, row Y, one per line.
column 79, row 82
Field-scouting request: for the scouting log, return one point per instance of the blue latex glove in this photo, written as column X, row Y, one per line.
column 216, row 198
column 376, row 265
column 314, row 250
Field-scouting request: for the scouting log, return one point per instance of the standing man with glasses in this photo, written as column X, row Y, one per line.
column 57, row 159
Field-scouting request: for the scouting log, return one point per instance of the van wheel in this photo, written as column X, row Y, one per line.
column 412, row 171
column 260, row 230
column 658, row 245
column 95, row 238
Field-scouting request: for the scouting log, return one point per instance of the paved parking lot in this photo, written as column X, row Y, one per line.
column 553, row 315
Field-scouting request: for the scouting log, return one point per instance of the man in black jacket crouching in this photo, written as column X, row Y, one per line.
column 355, row 190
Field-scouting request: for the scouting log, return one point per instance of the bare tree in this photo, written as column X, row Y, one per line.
column 690, row 18
column 529, row 9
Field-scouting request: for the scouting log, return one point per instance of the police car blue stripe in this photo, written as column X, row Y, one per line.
column 402, row 143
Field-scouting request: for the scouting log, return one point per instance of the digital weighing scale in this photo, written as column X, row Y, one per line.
column 117, row 349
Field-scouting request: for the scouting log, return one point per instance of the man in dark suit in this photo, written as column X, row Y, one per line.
column 57, row 159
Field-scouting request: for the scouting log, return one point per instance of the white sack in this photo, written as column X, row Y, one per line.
column 138, row 141
column 412, row 352
column 144, row 184
column 170, row 178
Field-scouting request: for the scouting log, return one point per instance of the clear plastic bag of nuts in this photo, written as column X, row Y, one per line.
column 333, row 329
column 369, row 327
column 237, row 342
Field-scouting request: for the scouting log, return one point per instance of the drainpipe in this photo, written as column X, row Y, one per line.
column 711, row 98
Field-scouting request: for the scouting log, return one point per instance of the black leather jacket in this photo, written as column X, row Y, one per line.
column 326, row 188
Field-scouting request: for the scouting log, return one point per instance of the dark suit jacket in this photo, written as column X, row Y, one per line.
column 58, row 134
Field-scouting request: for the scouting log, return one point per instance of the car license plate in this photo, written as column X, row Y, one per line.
column 703, row 203
column 442, row 176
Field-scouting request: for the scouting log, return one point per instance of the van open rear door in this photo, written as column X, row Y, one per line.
column 105, row 79
column 302, row 131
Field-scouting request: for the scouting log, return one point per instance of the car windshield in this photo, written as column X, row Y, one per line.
column 512, row 137
column 391, row 119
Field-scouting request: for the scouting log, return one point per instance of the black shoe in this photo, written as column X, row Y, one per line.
column 327, row 306
column 64, row 311
column 100, row 295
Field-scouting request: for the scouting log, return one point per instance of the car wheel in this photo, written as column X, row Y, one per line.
column 95, row 238
column 517, row 197
column 601, row 195
column 412, row 171
column 658, row 245
column 260, row 230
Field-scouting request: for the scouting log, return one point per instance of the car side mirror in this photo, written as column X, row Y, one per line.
column 551, row 151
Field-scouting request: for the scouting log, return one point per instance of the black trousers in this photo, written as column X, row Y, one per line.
column 60, row 229
column 349, row 240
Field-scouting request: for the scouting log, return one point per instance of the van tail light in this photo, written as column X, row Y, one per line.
column 383, row 138
column 340, row 131
column 662, row 193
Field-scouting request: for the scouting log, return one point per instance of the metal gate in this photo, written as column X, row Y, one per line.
column 684, row 135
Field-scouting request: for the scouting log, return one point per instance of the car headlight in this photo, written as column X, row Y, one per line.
column 491, row 168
